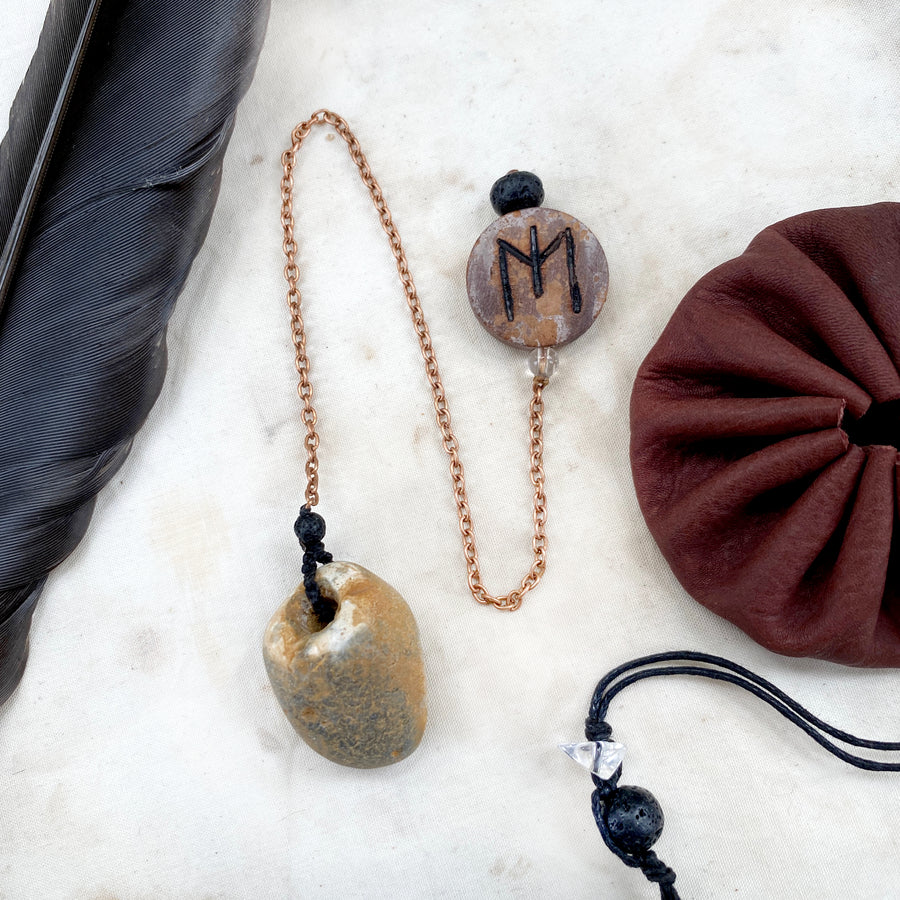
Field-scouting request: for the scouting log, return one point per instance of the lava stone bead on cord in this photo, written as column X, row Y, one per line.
column 630, row 819
column 516, row 190
column 309, row 527
column 310, row 530
column 634, row 819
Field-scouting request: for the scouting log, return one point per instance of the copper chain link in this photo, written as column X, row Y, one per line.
column 513, row 599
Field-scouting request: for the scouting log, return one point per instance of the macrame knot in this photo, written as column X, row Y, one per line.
column 310, row 529
column 656, row 871
column 604, row 787
column 597, row 731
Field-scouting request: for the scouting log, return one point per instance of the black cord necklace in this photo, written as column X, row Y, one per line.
column 630, row 818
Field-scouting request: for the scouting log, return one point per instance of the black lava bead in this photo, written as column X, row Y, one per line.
column 634, row 819
column 309, row 527
column 517, row 190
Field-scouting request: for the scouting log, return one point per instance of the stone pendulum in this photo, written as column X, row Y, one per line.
column 343, row 652
column 345, row 662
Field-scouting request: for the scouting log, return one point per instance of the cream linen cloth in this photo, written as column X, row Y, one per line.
column 144, row 757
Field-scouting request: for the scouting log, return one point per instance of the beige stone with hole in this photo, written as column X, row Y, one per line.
column 354, row 688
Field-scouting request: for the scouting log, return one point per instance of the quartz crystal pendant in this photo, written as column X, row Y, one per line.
column 601, row 758
column 353, row 687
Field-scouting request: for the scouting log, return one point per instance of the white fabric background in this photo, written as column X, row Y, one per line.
column 144, row 756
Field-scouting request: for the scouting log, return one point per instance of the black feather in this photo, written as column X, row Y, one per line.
column 35, row 119
column 107, row 196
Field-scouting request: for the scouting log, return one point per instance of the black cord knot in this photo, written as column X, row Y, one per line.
column 310, row 529
column 605, row 787
column 656, row 870
column 597, row 731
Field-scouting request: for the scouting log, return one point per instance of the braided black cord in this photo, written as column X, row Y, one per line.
column 718, row 669
column 614, row 682
column 310, row 529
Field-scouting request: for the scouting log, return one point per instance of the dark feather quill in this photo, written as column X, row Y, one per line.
column 110, row 172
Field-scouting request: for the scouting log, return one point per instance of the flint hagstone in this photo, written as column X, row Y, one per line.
column 354, row 688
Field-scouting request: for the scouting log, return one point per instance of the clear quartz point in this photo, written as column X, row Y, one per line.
column 601, row 758
column 542, row 362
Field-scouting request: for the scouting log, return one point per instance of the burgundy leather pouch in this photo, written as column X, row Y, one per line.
column 764, row 431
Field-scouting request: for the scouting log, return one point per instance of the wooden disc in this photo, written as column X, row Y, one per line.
column 537, row 278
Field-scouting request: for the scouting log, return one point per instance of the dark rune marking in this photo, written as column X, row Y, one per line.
column 536, row 259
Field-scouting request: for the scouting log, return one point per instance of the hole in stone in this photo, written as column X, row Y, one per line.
column 880, row 425
column 313, row 621
column 325, row 615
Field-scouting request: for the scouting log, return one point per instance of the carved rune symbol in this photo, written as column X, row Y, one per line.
column 536, row 260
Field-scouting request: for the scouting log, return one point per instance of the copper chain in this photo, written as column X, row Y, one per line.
column 513, row 599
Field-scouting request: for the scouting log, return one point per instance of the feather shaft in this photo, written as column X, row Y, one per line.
column 35, row 121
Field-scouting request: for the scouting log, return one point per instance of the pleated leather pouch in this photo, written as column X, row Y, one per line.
column 764, row 431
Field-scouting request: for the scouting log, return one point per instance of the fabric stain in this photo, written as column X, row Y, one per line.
column 143, row 650
column 192, row 534
column 268, row 741
column 511, row 870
